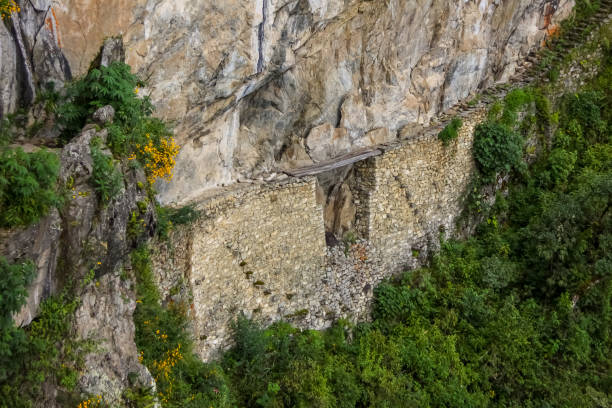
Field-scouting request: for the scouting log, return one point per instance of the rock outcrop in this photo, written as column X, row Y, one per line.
column 88, row 241
column 30, row 54
column 247, row 80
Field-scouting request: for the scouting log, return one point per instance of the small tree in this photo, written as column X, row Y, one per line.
column 496, row 149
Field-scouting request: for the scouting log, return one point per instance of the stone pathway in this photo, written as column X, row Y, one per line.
column 532, row 70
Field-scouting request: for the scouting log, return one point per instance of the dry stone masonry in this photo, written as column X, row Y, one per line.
column 260, row 249
column 412, row 192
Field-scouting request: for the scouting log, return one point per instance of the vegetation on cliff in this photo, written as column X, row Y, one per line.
column 518, row 315
column 46, row 354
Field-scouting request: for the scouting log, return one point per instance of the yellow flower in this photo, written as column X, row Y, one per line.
column 8, row 7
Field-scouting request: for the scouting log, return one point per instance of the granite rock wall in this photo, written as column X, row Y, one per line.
column 246, row 82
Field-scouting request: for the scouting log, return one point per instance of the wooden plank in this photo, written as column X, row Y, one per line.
column 334, row 163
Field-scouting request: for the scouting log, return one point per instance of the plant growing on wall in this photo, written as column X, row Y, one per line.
column 450, row 131
column 497, row 149
column 105, row 178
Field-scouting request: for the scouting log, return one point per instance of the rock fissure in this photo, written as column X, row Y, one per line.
column 261, row 35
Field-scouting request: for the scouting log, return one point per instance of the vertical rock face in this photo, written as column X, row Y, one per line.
column 31, row 54
column 244, row 79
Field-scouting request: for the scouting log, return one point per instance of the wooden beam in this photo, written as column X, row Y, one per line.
column 334, row 163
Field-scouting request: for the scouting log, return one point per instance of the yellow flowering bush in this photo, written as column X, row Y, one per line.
column 166, row 348
column 158, row 157
column 163, row 373
column 93, row 402
column 8, row 7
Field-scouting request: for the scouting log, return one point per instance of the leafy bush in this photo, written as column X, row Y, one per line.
column 497, row 149
column 27, row 186
column 7, row 7
column 6, row 135
column 41, row 352
column 114, row 85
column 14, row 279
column 450, row 131
column 105, row 178
column 583, row 112
column 165, row 347
column 167, row 218
column 514, row 101
column 134, row 133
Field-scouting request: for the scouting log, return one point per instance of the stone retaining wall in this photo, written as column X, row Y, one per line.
column 259, row 249
column 412, row 192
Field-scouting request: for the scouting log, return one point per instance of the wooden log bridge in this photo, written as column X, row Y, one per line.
column 335, row 163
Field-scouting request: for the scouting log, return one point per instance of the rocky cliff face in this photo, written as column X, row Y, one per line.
column 86, row 238
column 254, row 85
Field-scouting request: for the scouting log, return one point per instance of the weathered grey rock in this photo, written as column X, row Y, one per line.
column 295, row 156
column 375, row 137
column 104, row 115
column 112, row 51
column 9, row 86
column 339, row 212
column 324, row 142
column 105, row 315
column 39, row 243
column 30, row 47
column 353, row 116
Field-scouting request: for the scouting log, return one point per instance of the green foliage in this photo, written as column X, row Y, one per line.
column 168, row 217
column 138, row 397
column 27, row 186
column 114, row 85
column 450, row 131
column 41, row 352
column 497, row 149
column 6, row 135
column 14, row 279
column 105, row 178
column 49, row 97
column 166, row 348
column 514, row 101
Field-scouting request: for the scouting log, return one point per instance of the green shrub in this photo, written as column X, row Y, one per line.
column 497, row 149
column 27, row 186
column 165, row 347
column 14, row 279
column 114, row 85
column 41, row 352
column 583, row 112
column 105, row 178
column 514, row 101
column 6, row 135
column 450, row 131
column 168, row 217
